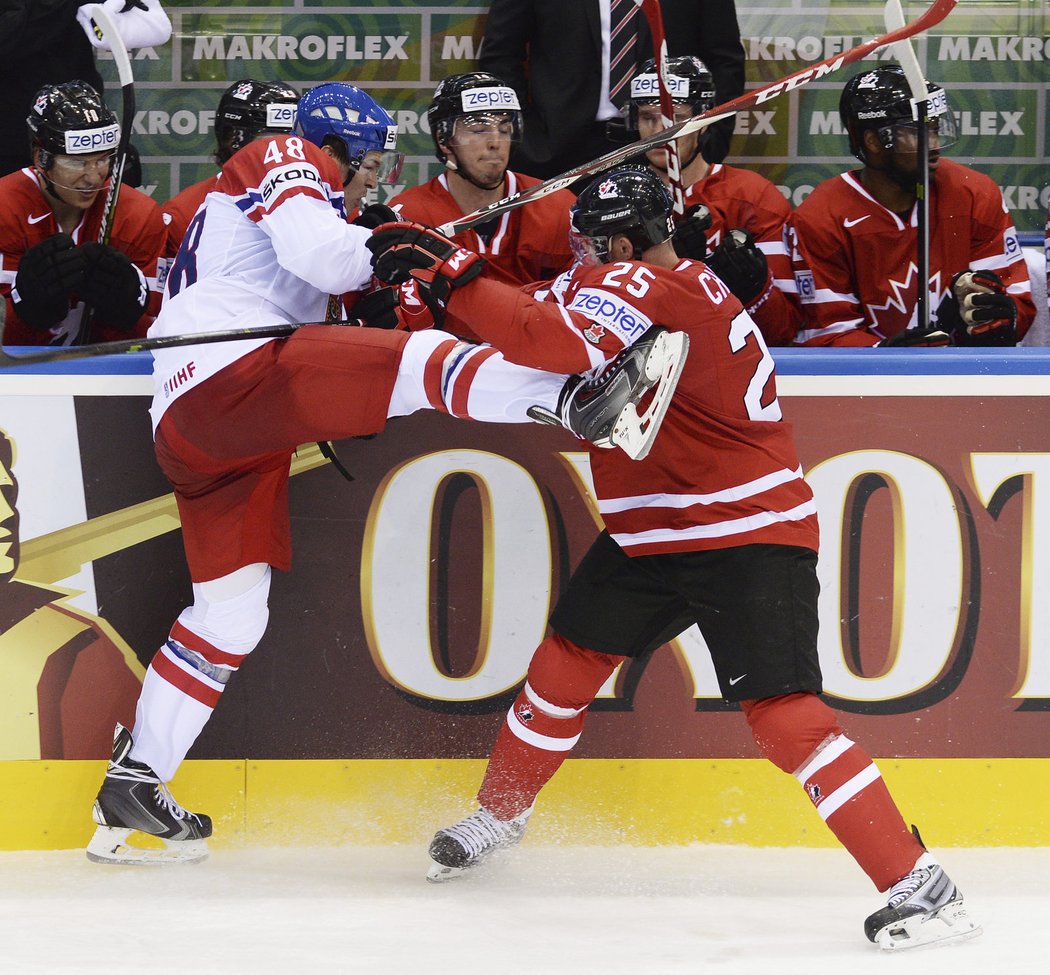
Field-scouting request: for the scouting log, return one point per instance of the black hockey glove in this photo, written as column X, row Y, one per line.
column 375, row 215
column 403, row 251
column 113, row 286
column 912, row 338
column 407, row 307
column 978, row 311
column 741, row 265
column 47, row 274
column 690, row 236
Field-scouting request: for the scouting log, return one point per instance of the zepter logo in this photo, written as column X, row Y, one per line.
column 489, row 99
column 92, row 140
column 646, row 86
column 279, row 115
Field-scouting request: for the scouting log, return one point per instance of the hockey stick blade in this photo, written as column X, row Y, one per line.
column 933, row 15
column 64, row 353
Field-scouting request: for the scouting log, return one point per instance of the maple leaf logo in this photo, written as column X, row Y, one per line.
column 899, row 310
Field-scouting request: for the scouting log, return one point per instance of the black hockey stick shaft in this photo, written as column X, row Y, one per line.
column 651, row 9
column 917, row 83
column 105, row 28
column 64, row 353
column 933, row 15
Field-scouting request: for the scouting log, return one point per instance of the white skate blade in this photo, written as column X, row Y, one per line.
column 633, row 433
column 439, row 873
column 109, row 845
column 952, row 923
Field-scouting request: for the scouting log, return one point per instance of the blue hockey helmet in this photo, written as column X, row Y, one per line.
column 343, row 112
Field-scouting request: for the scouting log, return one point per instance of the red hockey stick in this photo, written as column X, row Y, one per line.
column 934, row 14
column 651, row 9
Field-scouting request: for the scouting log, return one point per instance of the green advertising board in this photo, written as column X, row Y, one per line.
column 993, row 57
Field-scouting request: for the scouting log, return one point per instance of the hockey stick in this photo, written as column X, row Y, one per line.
column 64, row 353
column 920, row 110
column 105, row 28
column 651, row 9
column 934, row 14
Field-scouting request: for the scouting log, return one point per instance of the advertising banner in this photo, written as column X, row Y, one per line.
column 420, row 589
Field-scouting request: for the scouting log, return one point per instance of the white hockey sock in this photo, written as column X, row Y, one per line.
column 470, row 381
column 187, row 676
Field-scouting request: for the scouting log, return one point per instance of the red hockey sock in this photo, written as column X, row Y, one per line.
column 799, row 734
column 543, row 724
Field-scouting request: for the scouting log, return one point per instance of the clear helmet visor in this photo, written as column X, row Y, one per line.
column 903, row 135
column 589, row 251
column 385, row 165
column 504, row 126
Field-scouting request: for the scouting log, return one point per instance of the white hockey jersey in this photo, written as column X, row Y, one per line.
column 269, row 246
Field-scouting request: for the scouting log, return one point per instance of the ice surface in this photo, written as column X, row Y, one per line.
column 541, row 910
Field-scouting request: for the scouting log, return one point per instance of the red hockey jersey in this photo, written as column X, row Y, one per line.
column 530, row 243
column 723, row 470
column 181, row 209
column 739, row 198
column 855, row 261
column 26, row 219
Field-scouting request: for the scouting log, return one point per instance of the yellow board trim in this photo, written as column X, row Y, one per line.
column 641, row 802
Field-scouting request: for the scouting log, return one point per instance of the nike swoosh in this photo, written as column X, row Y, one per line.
column 42, row 216
column 853, row 223
column 736, row 680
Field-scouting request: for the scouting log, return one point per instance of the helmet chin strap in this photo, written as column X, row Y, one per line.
column 452, row 165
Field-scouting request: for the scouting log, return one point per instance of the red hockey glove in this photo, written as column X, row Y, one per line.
column 690, row 236
column 405, row 307
column 740, row 263
column 402, row 251
column 978, row 310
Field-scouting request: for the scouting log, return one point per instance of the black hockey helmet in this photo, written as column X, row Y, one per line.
column 629, row 200
column 249, row 108
column 71, row 119
column 689, row 81
column 880, row 99
column 475, row 94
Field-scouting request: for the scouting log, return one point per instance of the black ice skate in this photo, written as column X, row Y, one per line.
column 922, row 908
column 133, row 799
column 471, row 840
column 604, row 410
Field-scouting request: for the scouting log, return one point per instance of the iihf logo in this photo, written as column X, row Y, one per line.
column 524, row 712
column 814, row 793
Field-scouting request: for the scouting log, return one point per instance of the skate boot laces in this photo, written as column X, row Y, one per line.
column 483, row 831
